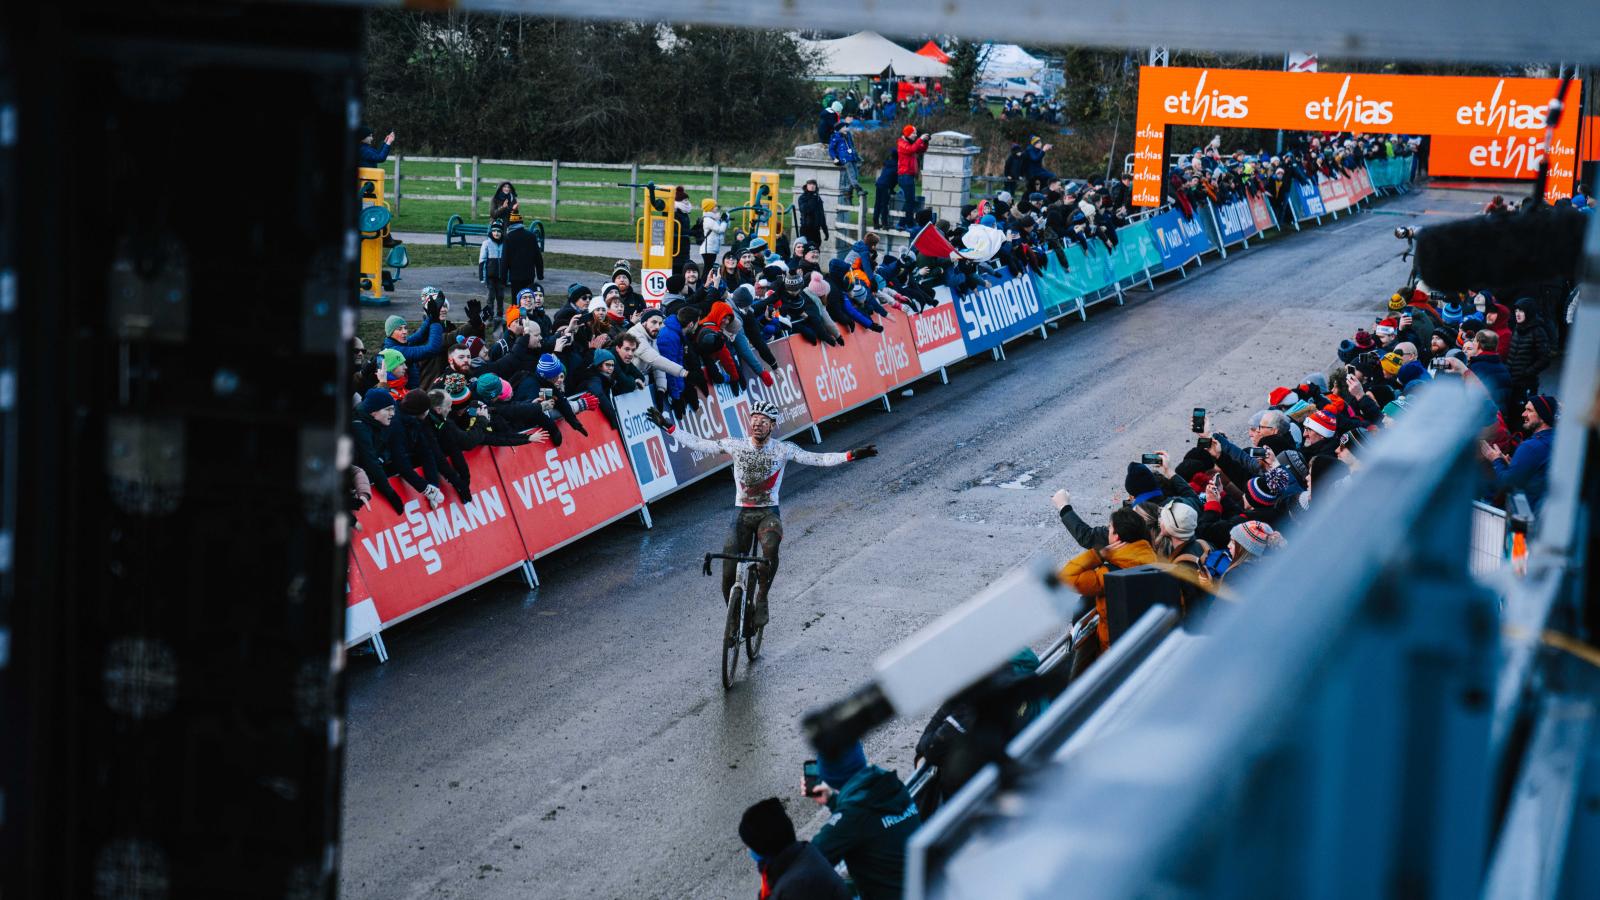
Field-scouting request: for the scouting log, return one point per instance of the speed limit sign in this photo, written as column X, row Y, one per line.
column 655, row 285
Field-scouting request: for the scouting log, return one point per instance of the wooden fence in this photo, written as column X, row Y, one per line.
column 474, row 188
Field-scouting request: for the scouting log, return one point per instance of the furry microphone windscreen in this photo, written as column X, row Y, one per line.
column 1485, row 252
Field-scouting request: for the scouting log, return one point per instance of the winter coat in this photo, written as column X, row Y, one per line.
column 842, row 148
column 715, row 226
column 1501, row 327
column 520, row 256
column 655, row 365
column 411, row 445
column 1016, row 163
column 1529, row 352
column 799, row 872
column 873, row 818
column 1086, row 574
column 909, row 155
column 673, row 346
column 1528, row 469
column 371, row 451
column 891, row 168
column 1494, row 374
column 373, row 155
column 827, row 121
column 811, row 213
column 1036, row 162
column 427, row 343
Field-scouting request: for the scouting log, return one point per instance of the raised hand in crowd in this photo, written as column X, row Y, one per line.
column 1061, row 500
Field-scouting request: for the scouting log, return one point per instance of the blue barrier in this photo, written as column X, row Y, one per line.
column 1234, row 222
column 997, row 312
column 1305, row 202
column 1178, row 240
column 1391, row 174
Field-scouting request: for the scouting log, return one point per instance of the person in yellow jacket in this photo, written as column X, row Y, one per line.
column 1128, row 545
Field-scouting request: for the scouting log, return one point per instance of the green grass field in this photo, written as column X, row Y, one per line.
column 430, row 255
column 578, row 188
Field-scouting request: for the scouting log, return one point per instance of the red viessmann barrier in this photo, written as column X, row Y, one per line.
column 559, row 494
column 425, row 556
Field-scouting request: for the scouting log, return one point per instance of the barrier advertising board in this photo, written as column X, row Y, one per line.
column 1305, row 201
column 1234, row 221
column 1335, row 193
column 785, row 392
column 413, row 559
column 937, row 334
column 868, row 366
column 361, row 614
column 1001, row 310
column 1178, row 240
column 647, row 446
column 706, row 422
column 558, row 494
column 1261, row 212
column 1136, row 252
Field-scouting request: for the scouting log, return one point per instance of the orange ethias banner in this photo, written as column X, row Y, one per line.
column 1480, row 111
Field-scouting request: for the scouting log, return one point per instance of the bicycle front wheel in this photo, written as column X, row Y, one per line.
column 730, row 635
column 752, row 639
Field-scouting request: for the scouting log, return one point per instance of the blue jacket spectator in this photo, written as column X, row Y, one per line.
column 373, row 156
column 425, row 344
column 1527, row 470
column 842, row 148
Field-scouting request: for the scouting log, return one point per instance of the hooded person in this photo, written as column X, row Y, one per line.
column 1530, row 349
column 791, row 869
column 711, row 342
column 1497, row 318
column 873, row 819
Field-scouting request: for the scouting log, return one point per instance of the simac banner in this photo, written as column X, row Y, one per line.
column 559, row 494
column 1001, row 310
column 422, row 556
column 647, row 446
column 785, row 392
column 1178, row 240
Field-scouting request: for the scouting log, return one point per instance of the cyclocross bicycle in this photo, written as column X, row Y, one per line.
column 741, row 603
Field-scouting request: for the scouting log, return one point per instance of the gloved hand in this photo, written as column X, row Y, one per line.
column 432, row 310
column 678, row 405
column 395, row 503
column 475, row 311
column 463, row 490
column 876, row 327
column 736, row 385
column 434, row 495
column 766, row 378
column 577, row 402
column 588, row 400
column 696, row 380
column 656, row 418
column 863, row 452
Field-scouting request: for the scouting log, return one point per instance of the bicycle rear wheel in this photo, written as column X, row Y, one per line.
column 730, row 635
column 752, row 642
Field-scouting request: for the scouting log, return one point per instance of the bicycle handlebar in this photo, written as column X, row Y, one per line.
column 706, row 569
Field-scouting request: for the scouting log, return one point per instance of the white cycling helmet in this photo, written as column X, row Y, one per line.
column 763, row 408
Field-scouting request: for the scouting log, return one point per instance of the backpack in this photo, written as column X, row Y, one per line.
column 697, row 231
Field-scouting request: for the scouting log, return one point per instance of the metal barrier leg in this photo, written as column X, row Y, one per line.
column 816, row 435
column 529, row 575
column 886, row 406
column 380, row 649
column 644, row 516
column 944, row 375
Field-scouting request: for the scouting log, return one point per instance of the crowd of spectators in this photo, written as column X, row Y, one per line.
column 1206, row 173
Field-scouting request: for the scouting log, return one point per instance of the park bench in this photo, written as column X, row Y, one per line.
column 456, row 231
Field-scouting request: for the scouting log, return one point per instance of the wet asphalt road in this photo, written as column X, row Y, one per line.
column 575, row 741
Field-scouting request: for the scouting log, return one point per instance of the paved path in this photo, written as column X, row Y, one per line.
column 574, row 741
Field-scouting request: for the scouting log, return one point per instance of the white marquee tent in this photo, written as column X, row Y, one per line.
column 869, row 53
column 1010, row 61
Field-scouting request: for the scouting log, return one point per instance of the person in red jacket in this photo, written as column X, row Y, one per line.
column 910, row 149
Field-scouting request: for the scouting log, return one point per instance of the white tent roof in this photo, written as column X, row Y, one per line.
column 869, row 53
column 1010, row 61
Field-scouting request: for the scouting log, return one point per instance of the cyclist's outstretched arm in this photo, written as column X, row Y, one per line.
column 688, row 439
column 808, row 458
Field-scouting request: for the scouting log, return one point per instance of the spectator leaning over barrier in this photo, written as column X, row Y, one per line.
column 411, row 446
column 370, row 440
column 873, row 818
column 428, row 341
column 657, row 368
column 628, row 376
column 521, row 257
column 1127, row 545
column 813, row 220
column 1526, row 470
column 790, row 869
column 466, row 421
column 909, row 150
column 372, row 156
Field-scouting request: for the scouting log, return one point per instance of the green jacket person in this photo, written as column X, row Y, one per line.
column 873, row 818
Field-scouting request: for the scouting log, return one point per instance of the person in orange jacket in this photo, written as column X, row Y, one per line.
column 1128, row 546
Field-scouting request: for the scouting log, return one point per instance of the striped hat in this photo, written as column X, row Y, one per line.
column 549, row 367
column 1322, row 423
column 1254, row 537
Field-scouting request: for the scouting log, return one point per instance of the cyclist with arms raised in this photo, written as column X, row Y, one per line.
column 758, row 463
